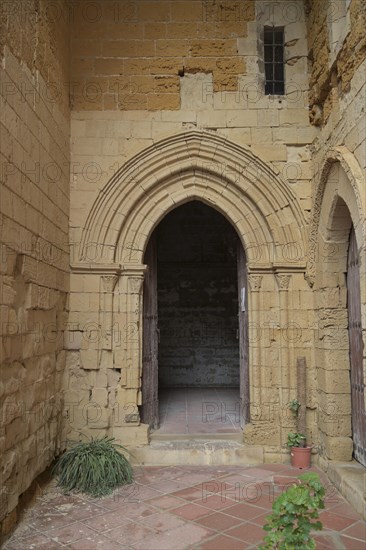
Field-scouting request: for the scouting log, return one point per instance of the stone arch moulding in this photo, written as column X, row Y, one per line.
column 356, row 179
column 196, row 166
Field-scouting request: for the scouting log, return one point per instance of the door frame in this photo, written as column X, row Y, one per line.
column 150, row 336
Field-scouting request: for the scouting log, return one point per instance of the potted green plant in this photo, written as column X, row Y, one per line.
column 95, row 467
column 294, row 406
column 291, row 522
column 300, row 452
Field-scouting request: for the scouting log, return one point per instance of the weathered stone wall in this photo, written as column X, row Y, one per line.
column 337, row 48
column 338, row 153
column 213, row 83
column 131, row 55
column 34, row 261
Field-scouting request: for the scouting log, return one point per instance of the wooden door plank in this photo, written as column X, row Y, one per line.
column 150, row 403
column 243, row 336
column 356, row 352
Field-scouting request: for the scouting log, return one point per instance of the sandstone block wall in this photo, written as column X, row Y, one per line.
column 131, row 55
column 34, row 259
column 337, row 86
column 337, row 48
column 178, row 67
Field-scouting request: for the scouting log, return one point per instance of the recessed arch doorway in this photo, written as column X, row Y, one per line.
column 195, row 346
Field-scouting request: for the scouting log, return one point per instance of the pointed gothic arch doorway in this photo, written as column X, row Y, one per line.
column 195, row 336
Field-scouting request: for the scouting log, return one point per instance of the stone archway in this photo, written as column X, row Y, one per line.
column 271, row 227
column 341, row 208
column 195, row 326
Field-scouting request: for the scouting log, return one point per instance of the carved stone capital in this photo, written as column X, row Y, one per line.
column 108, row 282
column 283, row 281
column 135, row 284
column 255, row 282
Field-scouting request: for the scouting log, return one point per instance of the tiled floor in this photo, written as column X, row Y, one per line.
column 200, row 508
column 199, row 410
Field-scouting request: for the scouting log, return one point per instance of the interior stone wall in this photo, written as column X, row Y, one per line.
column 197, row 298
column 34, row 257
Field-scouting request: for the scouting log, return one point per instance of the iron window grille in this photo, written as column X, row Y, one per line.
column 274, row 63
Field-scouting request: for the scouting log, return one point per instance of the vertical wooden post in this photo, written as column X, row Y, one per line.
column 301, row 394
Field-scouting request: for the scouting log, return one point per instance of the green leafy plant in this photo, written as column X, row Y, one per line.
column 295, row 439
column 294, row 406
column 291, row 522
column 95, row 467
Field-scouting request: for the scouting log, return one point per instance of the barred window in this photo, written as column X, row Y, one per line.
column 274, row 64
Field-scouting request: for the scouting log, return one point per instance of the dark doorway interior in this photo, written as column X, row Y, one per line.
column 197, row 299
column 195, row 360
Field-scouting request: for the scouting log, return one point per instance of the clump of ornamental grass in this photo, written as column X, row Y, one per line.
column 96, row 467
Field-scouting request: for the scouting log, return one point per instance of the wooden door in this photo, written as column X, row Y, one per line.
column 150, row 403
column 243, row 336
column 356, row 352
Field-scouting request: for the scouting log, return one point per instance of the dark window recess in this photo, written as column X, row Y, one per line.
column 274, row 60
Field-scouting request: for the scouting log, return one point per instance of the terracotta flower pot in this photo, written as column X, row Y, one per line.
column 301, row 457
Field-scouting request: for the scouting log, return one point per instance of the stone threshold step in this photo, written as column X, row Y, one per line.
column 196, row 453
column 350, row 480
column 156, row 436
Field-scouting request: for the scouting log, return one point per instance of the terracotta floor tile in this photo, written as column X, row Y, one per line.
column 326, row 542
column 259, row 473
column 223, row 542
column 262, row 501
column 168, row 486
column 261, row 520
column 357, row 530
column 216, row 502
column 244, row 511
column 23, row 530
column 165, row 502
column 129, row 533
column 144, row 492
column 218, row 521
column 50, row 521
column 33, row 543
column 81, row 511
column 136, row 510
column 96, row 542
column 70, row 533
column 178, row 508
column 334, row 521
column 56, row 497
column 195, row 479
column 284, row 481
column 274, row 467
column 163, row 522
column 218, row 485
column 191, row 493
column 345, row 509
column 106, row 521
column 249, row 532
column 235, row 478
column 191, row 511
column 118, row 499
column 352, row 544
column 161, row 541
column 179, row 539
